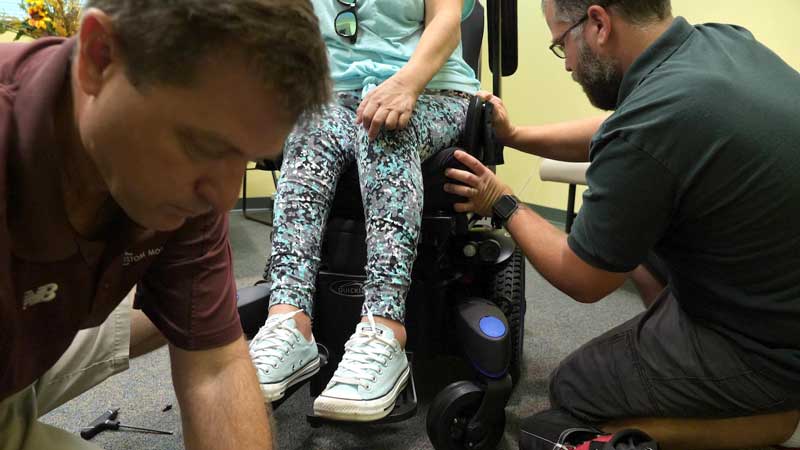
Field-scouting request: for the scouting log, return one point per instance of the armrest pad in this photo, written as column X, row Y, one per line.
column 563, row 172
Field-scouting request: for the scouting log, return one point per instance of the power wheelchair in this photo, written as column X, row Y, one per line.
column 467, row 295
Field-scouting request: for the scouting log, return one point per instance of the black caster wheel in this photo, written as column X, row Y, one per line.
column 449, row 417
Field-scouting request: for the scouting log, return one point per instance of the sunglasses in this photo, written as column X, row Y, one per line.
column 346, row 22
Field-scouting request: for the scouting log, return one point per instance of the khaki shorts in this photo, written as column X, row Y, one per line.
column 94, row 355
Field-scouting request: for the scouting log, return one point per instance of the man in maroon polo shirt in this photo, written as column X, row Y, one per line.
column 121, row 151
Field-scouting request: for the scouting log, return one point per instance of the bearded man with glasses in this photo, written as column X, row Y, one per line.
column 691, row 169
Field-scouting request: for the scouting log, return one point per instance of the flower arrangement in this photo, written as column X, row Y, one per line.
column 45, row 18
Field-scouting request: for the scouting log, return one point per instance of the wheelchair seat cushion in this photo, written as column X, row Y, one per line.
column 347, row 201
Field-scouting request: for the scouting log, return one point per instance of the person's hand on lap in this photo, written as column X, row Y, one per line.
column 389, row 105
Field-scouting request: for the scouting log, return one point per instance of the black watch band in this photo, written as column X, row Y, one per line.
column 503, row 208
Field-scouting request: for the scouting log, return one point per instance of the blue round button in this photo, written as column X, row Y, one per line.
column 492, row 326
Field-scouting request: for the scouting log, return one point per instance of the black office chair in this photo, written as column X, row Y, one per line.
column 467, row 295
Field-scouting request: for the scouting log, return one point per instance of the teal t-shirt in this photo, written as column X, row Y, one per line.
column 388, row 34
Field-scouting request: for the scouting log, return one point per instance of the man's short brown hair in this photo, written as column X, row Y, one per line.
column 162, row 41
column 635, row 11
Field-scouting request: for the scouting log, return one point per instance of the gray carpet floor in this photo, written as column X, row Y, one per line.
column 555, row 326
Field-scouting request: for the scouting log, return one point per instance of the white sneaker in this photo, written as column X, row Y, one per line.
column 372, row 373
column 282, row 356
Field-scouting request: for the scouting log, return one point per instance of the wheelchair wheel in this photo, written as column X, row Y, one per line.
column 508, row 291
column 450, row 413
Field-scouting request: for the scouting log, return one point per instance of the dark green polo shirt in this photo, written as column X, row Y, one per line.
column 701, row 163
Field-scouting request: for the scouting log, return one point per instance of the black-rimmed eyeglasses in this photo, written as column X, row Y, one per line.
column 557, row 47
column 346, row 22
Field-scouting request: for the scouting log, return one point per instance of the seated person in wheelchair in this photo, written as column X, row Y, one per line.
column 401, row 94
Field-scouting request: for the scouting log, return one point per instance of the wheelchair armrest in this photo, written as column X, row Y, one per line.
column 492, row 151
column 478, row 138
column 563, row 172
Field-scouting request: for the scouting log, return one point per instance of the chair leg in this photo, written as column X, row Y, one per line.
column 570, row 209
column 244, row 203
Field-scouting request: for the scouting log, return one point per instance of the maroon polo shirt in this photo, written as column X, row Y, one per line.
column 52, row 281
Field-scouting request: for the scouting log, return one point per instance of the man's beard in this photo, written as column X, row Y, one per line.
column 600, row 79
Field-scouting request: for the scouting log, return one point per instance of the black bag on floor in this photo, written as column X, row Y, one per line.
column 558, row 430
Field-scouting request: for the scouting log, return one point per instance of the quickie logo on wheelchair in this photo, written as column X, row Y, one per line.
column 347, row 288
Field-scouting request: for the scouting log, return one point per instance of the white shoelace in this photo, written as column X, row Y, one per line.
column 273, row 342
column 361, row 353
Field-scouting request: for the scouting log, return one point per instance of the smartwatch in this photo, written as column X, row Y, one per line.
column 504, row 208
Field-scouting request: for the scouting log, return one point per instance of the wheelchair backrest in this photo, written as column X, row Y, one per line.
column 472, row 35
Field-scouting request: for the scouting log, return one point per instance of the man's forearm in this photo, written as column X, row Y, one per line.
column 565, row 141
column 546, row 248
column 225, row 410
column 541, row 242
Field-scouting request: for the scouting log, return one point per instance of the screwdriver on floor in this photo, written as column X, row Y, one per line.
column 107, row 421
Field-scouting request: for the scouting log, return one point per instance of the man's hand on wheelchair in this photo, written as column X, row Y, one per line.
column 503, row 128
column 480, row 186
column 388, row 106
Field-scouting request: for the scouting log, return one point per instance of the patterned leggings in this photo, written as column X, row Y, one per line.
column 315, row 156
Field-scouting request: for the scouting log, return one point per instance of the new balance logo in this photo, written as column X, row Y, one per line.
column 46, row 293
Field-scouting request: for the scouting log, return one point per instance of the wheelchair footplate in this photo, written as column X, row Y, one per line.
column 405, row 406
column 323, row 361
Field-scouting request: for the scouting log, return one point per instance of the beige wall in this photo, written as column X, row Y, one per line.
column 9, row 37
